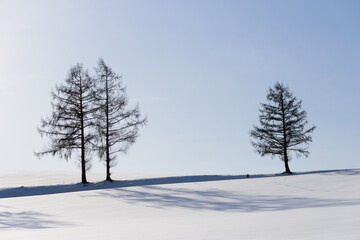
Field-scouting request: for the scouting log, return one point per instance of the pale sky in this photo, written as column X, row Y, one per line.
column 198, row 69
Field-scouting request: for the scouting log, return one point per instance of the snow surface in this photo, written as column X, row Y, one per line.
column 312, row 205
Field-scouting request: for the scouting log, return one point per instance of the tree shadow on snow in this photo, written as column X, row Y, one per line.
column 66, row 188
column 28, row 220
column 78, row 187
column 218, row 200
column 349, row 172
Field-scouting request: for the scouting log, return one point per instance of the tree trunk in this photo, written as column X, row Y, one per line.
column 285, row 145
column 83, row 162
column 286, row 160
column 83, row 171
column 108, row 178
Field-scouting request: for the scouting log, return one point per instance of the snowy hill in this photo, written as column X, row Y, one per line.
column 312, row 205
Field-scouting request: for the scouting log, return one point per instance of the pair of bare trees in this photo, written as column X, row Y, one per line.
column 90, row 114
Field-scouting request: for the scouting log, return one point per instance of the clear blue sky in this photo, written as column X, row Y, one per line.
column 198, row 69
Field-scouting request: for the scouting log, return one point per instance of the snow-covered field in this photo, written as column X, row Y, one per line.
column 316, row 205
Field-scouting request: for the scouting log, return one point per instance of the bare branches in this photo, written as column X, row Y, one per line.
column 68, row 127
column 117, row 125
column 90, row 114
column 282, row 126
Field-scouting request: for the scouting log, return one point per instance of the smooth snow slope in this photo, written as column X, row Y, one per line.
column 317, row 205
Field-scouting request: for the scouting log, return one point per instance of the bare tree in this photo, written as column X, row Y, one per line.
column 69, row 125
column 117, row 124
column 282, row 126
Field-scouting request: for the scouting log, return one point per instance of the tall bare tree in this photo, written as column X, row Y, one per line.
column 117, row 124
column 282, row 126
column 69, row 125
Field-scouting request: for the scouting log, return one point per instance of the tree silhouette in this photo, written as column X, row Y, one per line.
column 282, row 126
column 69, row 125
column 117, row 124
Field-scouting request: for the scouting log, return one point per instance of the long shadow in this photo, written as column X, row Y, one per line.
column 217, row 200
column 29, row 220
column 78, row 187
column 54, row 189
